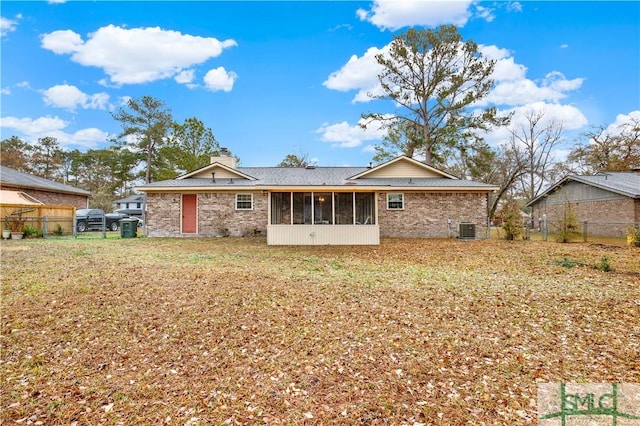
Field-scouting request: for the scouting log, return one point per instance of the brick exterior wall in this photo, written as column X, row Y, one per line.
column 607, row 214
column 425, row 215
column 54, row 198
column 217, row 215
column 605, row 218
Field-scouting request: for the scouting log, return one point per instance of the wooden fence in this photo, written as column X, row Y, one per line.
column 46, row 218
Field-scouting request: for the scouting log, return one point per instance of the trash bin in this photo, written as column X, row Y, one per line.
column 128, row 227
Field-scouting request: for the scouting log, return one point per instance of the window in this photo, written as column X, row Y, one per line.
column 323, row 208
column 244, row 201
column 395, row 201
column 326, row 208
column 280, row 208
column 344, row 208
column 365, row 203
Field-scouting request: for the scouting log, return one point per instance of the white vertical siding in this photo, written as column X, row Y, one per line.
column 323, row 235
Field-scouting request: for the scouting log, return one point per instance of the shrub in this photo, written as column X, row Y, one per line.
column 603, row 265
column 568, row 263
column 568, row 226
column 634, row 233
column 31, row 232
column 513, row 222
column 58, row 231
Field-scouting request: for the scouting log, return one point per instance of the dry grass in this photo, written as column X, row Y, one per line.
column 231, row 331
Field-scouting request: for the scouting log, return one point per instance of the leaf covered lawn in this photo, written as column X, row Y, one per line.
column 232, row 331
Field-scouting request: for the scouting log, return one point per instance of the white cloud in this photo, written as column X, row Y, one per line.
column 70, row 97
column 514, row 7
column 345, row 135
column 567, row 115
column 7, row 26
column 62, row 41
column 485, row 13
column 137, row 55
column 5, row 91
column 395, row 14
column 512, row 87
column 220, row 79
column 360, row 73
column 621, row 120
column 185, row 77
column 32, row 129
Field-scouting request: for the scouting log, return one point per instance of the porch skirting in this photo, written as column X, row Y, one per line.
column 323, row 235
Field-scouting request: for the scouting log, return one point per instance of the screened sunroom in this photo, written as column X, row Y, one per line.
column 322, row 218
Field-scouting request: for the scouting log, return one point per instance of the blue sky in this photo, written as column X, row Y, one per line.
column 278, row 78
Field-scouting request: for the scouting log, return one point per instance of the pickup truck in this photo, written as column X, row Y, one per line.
column 93, row 219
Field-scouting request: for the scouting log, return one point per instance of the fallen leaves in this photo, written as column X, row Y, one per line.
column 231, row 331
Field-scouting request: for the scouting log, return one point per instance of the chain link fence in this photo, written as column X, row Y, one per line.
column 52, row 227
column 619, row 233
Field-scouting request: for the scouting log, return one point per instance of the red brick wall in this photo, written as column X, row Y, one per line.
column 217, row 215
column 605, row 218
column 425, row 215
column 54, row 198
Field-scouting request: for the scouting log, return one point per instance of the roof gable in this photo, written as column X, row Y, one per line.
column 403, row 167
column 220, row 170
column 622, row 183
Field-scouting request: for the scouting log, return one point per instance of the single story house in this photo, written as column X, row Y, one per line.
column 608, row 202
column 317, row 205
column 44, row 190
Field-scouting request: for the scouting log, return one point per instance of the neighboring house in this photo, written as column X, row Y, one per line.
column 608, row 202
column 44, row 190
column 132, row 205
column 317, row 205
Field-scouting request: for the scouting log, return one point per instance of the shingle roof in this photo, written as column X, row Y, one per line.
column 623, row 183
column 131, row 199
column 12, row 177
column 273, row 177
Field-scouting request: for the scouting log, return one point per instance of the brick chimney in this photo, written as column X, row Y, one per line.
column 225, row 158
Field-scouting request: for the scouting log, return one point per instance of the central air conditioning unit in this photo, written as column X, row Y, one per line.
column 467, row 231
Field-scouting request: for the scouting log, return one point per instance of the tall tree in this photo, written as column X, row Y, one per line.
column 145, row 126
column 402, row 138
column 532, row 144
column 16, row 153
column 435, row 77
column 190, row 146
column 607, row 149
column 47, row 158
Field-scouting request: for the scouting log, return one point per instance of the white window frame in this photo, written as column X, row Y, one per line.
column 238, row 200
column 389, row 201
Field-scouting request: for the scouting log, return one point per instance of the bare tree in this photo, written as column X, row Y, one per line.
column 607, row 149
column 532, row 145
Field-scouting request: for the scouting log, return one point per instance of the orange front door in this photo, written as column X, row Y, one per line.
column 189, row 209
